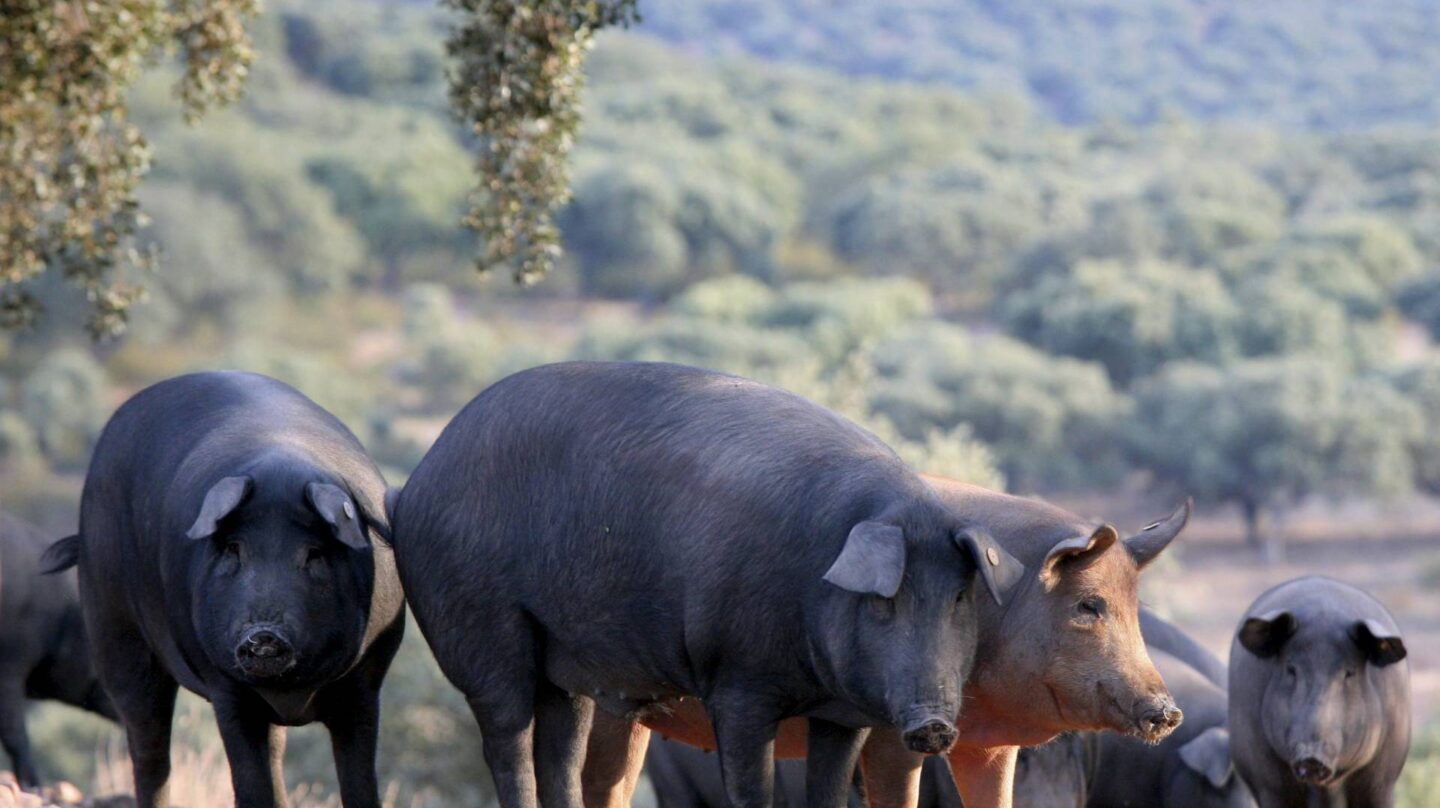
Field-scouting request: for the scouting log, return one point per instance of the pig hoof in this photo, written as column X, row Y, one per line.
column 1312, row 771
column 932, row 738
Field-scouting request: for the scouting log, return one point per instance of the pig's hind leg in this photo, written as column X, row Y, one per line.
column 562, row 727
column 499, row 679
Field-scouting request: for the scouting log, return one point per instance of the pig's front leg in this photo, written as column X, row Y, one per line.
column 830, row 766
column 745, row 734
column 985, row 776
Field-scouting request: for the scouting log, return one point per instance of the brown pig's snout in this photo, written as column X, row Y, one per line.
column 1157, row 717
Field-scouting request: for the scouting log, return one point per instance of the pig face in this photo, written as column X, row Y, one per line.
column 1322, row 708
column 899, row 631
column 284, row 579
column 1076, row 630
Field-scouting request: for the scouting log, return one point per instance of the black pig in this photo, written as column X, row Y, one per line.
column 228, row 544
column 637, row 533
column 1319, row 697
column 43, row 654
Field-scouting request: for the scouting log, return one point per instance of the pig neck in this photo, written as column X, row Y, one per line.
column 1002, row 704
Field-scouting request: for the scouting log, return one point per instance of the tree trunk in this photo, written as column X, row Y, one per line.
column 1261, row 533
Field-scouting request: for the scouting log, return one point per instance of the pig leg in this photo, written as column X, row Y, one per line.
column 256, row 750
column 985, row 776
column 354, row 736
column 562, row 726
column 892, row 772
column 143, row 693
column 12, row 728
column 502, row 695
column 830, row 766
column 614, row 758
column 745, row 733
column 350, row 710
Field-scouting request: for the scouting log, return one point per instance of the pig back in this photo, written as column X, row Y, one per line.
column 639, row 510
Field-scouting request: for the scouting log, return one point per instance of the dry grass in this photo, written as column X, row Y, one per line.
column 200, row 776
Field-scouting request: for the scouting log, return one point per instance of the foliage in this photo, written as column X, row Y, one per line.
column 1131, row 317
column 516, row 80
column 1296, row 63
column 64, row 403
column 1267, row 432
column 1047, row 420
column 1421, row 777
column 73, row 159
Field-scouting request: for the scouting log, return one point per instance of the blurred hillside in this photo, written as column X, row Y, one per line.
column 1110, row 247
column 1323, row 64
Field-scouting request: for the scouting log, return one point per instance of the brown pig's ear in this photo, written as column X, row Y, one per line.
column 1000, row 570
column 1381, row 645
column 1154, row 538
column 1076, row 553
column 1266, row 634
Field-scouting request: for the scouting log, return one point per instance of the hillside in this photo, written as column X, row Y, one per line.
column 1314, row 64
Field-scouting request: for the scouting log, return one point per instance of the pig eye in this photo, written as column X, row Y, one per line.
column 1092, row 607
column 232, row 550
column 883, row 608
column 1291, row 672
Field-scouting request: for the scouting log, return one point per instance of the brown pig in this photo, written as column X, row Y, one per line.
column 1063, row 653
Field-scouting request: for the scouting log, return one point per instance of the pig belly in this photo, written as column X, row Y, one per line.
column 686, row 721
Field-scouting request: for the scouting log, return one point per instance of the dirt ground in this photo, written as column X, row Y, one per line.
column 1391, row 551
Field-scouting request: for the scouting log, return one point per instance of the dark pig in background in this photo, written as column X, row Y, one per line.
column 231, row 542
column 1319, row 697
column 43, row 654
column 634, row 533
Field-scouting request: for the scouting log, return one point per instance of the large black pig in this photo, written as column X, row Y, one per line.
column 228, row 543
column 1319, row 697
column 636, row 533
column 43, row 654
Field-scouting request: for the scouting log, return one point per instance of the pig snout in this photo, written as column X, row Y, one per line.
column 264, row 652
column 930, row 736
column 1157, row 718
column 1312, row 771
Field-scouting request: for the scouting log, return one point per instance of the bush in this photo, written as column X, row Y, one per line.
column 65, row 403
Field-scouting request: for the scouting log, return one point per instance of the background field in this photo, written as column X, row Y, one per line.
column 1108, row 253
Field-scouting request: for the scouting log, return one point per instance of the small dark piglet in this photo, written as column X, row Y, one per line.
column 43, row 654
column 1319, row 697
column 231, row 541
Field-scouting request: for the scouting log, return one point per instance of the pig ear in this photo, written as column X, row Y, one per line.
column 1209, row 755
column 1081, row 551
column 872, row 562
column 1000, row 570
column 1154, row 538
column 1265, row 635
column 1381, row 645
column 336, row 508
column 222, row 498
